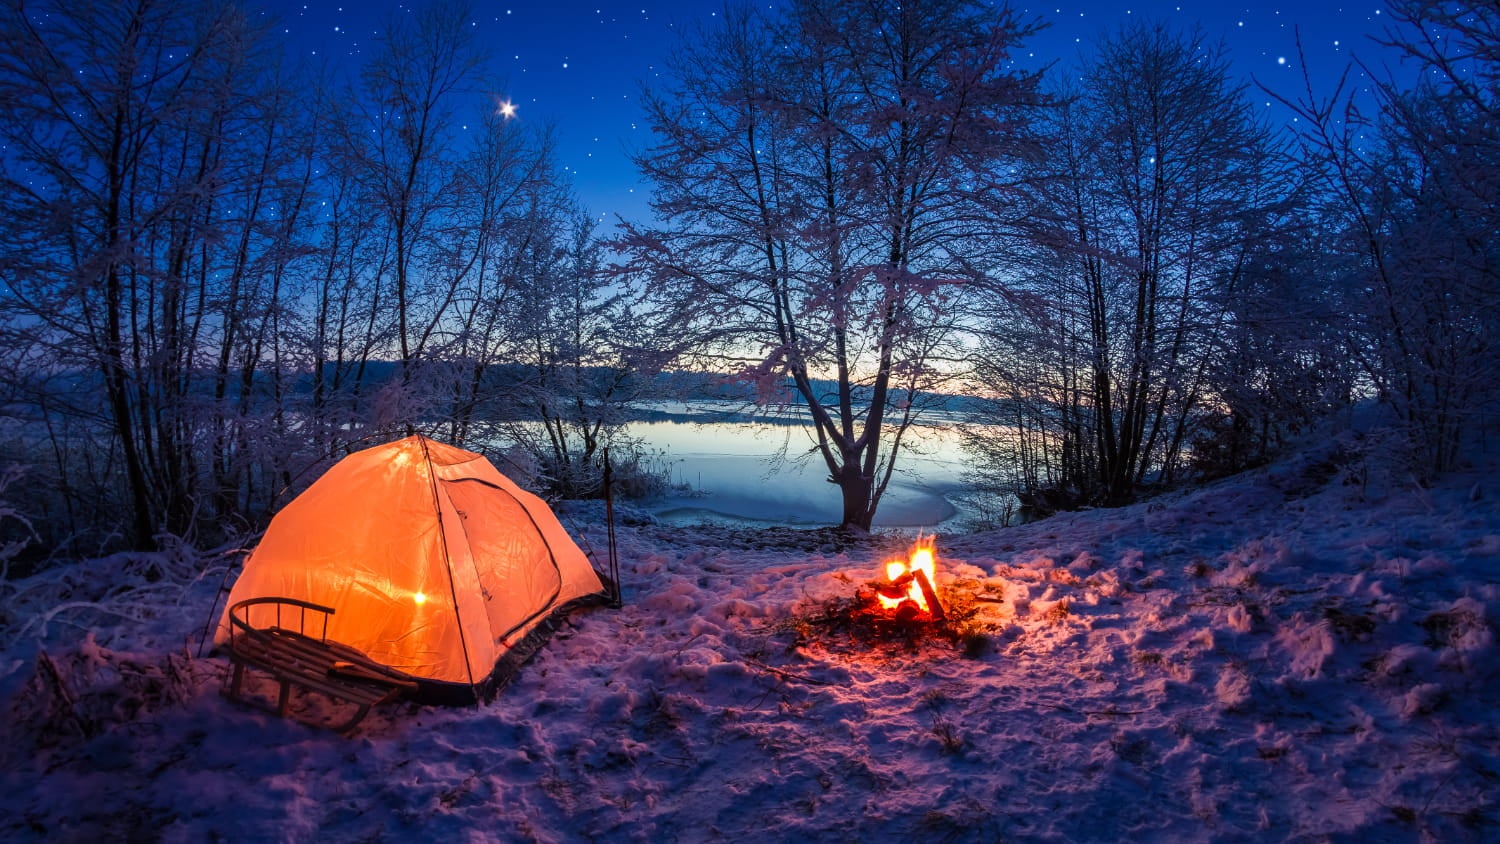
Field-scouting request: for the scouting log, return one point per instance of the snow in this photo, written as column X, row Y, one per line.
column 1294, row 653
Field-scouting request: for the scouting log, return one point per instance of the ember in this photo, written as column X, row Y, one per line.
column 909, row 588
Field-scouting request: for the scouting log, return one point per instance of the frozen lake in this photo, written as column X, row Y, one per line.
column 767, row 471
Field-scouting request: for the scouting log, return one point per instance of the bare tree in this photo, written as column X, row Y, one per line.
column 120, row 127
column 343, row 330
column 1413, row 191
column 515, row 196
column 577, row 358
column 1282, row 366
column 818, row 174
column 404, row 153
column 269, row 255
column 1158, row 192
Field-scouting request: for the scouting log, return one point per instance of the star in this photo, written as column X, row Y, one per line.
column 507, row 109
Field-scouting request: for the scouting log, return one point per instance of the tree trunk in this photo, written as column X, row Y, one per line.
column 857, row 490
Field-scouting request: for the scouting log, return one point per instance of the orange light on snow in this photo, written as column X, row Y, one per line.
column 923, row 558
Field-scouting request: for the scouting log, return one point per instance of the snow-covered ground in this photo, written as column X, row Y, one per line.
column 1305, row 652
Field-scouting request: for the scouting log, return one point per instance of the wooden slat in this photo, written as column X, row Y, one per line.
column 315, row 676
column 291, row 656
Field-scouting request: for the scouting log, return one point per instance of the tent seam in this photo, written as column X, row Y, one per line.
column 437, row 508
column 557, row 590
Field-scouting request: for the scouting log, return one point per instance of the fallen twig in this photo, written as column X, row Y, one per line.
column 789, row 675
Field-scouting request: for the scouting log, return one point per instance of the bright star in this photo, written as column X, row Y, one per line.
column 507, row 109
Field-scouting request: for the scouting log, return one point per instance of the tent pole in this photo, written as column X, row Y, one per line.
column 617, row 597
column 437, row 512
column 212, row 611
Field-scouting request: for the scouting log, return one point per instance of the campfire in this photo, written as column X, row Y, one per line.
column 901, row 606
column 909, row 591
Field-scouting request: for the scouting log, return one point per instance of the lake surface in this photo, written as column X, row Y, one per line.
column 765, row 471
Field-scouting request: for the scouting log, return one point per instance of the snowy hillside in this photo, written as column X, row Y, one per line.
column 1306, row 651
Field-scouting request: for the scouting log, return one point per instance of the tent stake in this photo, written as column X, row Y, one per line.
column 617, row 596
column 212, row 615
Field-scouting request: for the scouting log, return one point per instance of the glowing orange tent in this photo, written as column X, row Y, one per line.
column 433, row 562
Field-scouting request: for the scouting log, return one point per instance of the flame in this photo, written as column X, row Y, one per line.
column 923, row 558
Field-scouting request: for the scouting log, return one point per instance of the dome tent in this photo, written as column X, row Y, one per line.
column 434, row 563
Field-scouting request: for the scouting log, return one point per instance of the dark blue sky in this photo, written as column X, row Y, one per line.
column 578, row 65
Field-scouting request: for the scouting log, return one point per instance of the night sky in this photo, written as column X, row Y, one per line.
column 577, row 66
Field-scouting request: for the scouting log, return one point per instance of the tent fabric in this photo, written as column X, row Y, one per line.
column 433, row 562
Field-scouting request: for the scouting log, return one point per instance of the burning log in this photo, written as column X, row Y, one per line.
column 895, row 590
column 934, row 606
column 908, row 590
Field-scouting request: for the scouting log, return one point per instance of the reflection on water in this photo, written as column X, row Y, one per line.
column 769, row 472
